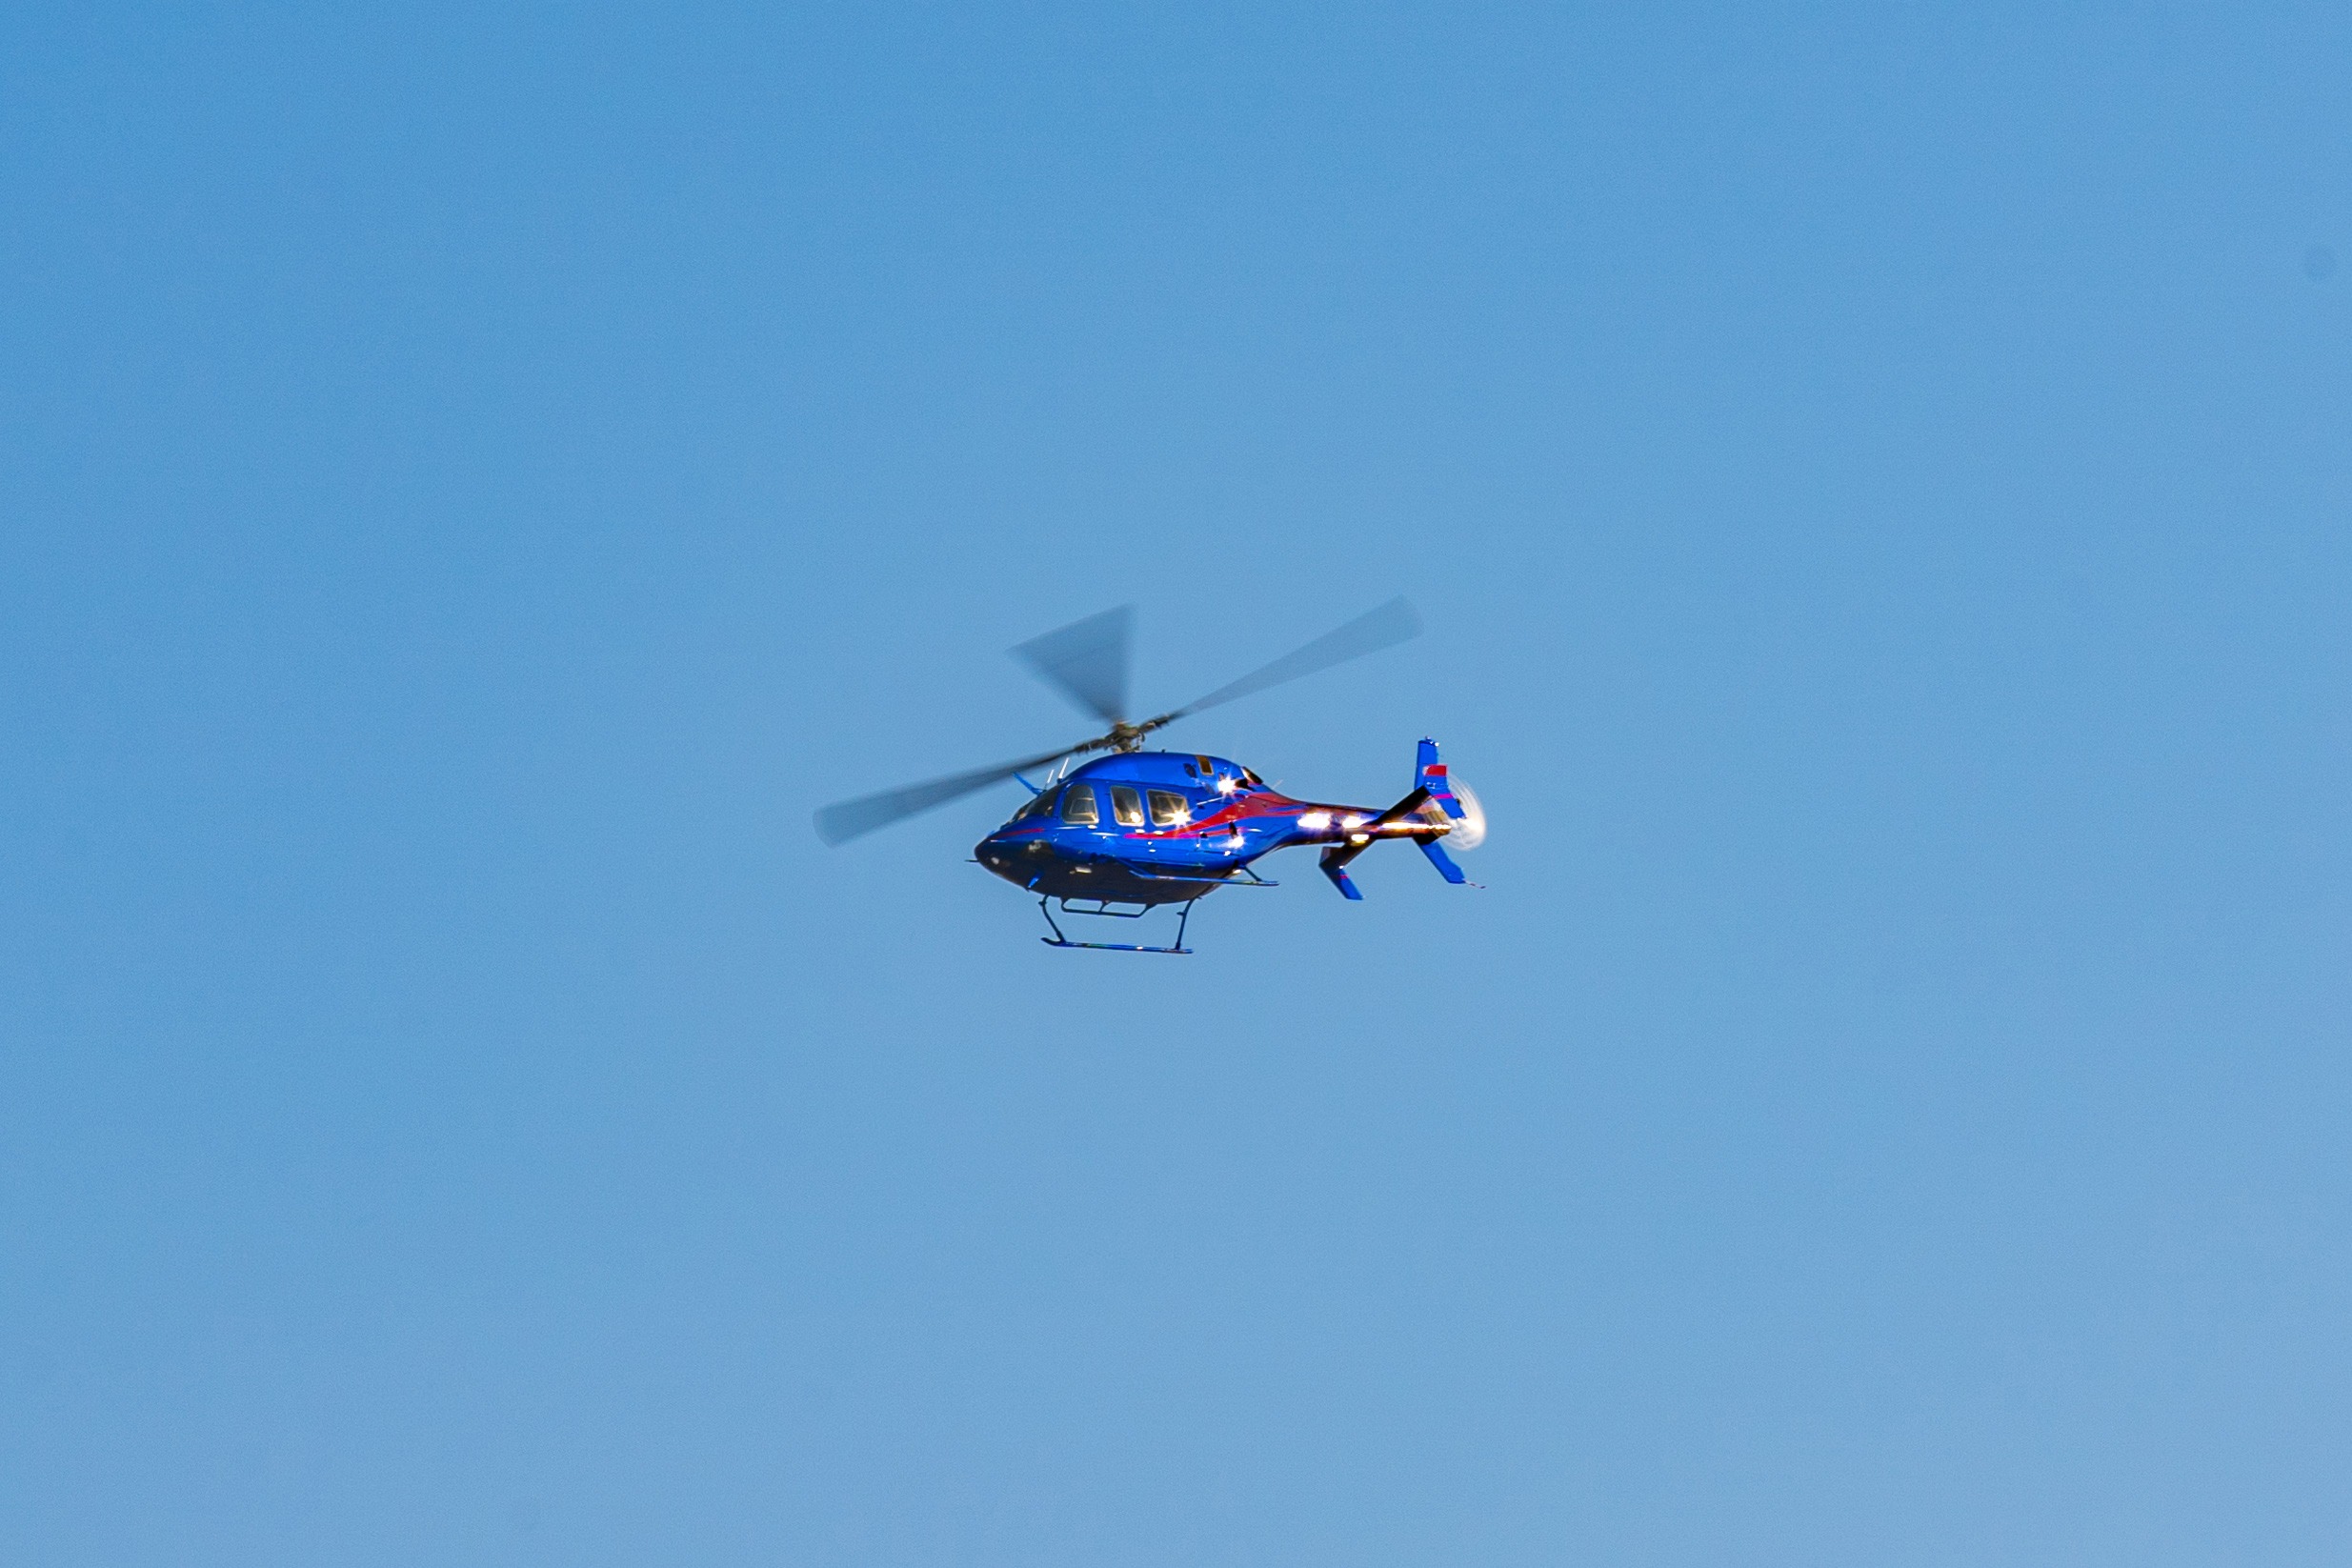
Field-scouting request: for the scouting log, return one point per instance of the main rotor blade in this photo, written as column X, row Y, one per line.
column 847, row 819
column 1088, row 660
column 1394, row 622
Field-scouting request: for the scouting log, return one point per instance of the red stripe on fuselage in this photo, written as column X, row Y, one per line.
column 1259, row 803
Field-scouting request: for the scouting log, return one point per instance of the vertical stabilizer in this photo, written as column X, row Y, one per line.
column 1429, row 773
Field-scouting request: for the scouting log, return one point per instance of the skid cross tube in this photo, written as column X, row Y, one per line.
column 1102, row 907
column 1057, row 939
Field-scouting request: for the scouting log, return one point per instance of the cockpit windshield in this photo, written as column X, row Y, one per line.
column 1239, row 780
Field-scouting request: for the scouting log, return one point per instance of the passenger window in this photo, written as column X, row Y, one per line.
column 1126, row 807
column 1079, row 806
column 1167, row 808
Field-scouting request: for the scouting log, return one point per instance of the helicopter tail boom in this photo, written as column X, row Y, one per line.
column 1427, row 814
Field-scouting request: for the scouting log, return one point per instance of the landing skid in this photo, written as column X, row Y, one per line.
column 1057, row 939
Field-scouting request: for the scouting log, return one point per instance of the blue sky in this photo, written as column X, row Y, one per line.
column 1877, row 481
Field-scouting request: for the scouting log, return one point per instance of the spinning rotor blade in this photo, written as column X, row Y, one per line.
column 847, row 819
column 1088, row 660
column 1394, row 622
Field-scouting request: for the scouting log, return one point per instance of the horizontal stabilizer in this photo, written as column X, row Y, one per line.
column 1335, row 862
column 1336, row 867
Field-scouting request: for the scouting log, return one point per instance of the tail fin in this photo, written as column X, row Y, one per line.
column 1430, row 775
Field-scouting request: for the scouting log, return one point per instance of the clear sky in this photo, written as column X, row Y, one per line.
column 1877, row 480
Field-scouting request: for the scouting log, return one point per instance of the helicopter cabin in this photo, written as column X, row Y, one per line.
column 1147, row 789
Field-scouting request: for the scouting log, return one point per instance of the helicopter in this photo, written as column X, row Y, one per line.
column 1135, row 831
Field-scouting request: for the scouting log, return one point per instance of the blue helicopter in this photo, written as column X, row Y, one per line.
column 1135, row 831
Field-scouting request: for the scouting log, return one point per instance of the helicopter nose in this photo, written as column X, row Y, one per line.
column 999, row 858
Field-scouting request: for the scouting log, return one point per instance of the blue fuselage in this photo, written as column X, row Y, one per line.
column 1153, row 828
